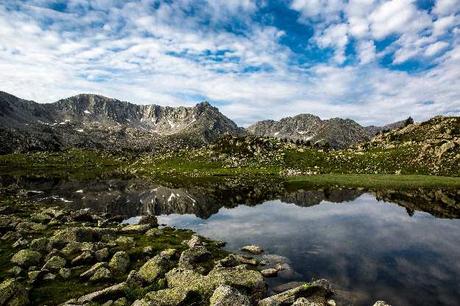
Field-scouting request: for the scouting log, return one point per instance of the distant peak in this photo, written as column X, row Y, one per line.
column 204, row 104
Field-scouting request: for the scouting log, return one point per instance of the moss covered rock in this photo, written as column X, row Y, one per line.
column 227, row 296
column 26, row 258
column 119, row 262
column 55, row 263
column 13, row 293
column 155, row 268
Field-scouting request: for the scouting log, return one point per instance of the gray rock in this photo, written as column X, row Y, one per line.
column 91, row 271
column 195, row 241
column 254, row 249
column 39, row 244
column 154, row 268
column 85, row 258
column 149, row 219
column 227, row 296
column 381, row 303
column 190, row 257
column 102, row 254
column 135, row 228
column 271, row 272
column 54, row 263
column 314, row 293
column 26, row 258
column 101, row 274
column 119, row 262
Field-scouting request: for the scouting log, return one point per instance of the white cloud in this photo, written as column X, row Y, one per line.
column 435, row 48
column 169, row 58
column 447, row 7
column 366, row 52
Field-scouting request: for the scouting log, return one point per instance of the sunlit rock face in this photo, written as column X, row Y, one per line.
column 92, row 121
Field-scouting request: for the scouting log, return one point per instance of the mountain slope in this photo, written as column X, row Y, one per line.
column 337, row 132
column 93, row 121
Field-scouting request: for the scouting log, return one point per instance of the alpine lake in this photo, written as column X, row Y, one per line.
column 401, row 246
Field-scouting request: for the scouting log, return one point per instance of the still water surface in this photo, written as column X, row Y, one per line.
column 402, row 247
column 374, row 249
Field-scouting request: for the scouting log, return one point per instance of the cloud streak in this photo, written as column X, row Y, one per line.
column 378, row 62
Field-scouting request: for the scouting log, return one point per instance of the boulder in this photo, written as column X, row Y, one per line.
column 39, row 244
column 26, row 258
column 112, row 292
column 381, row 303
column 149, row 219
column 168, row 297
column 271, row 272
column 195, row 241
column 13, row 293
column 85, row 258
column 119, row 262
column 253, row 249
column 316, row 292
column 54, row 263
column 250, row 281
column 135, row 228
column 102, row 254
column 91, row 271
column 101, row 274
column 155, row 268
column 65, row 273
column 190, row 257
column 227, row 296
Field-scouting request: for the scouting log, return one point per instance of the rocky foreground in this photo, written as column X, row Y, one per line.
column 51, row 255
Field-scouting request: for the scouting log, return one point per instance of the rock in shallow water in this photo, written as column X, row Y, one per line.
column 254, row 249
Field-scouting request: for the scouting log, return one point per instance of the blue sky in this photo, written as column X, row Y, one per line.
column 370, row 60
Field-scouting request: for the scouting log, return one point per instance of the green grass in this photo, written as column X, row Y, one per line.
column 374, row 181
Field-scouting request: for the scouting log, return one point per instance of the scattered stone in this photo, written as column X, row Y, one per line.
column 154, row 268
column 253, row 249
column 34, row 275
column 227, row 296
column 102, row 254
column 190, row 257
column 65, row 273
column 125, row 242
column 228, row 262
column 101, row 274
column 91, row 271
column 148, row 250
column 135, row 228
column 166, row 297
column 149, row 219
column 39, row 244
column 195, row 241
column 111, row 292
column 21, row 242
column 119, row 262
column 15, row 271
column 381, row 303
column 314, row 292
column 54, row 263
column 26, row 258
column 271, row 272
column 247, row 260
column 13, row 293
column 84, row 258
column 154, row 232
column 169, row 253
column 82, row 215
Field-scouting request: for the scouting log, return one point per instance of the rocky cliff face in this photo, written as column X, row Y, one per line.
column 99, row 122
column 337, row 132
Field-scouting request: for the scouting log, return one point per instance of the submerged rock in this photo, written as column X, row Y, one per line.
column 227, row 296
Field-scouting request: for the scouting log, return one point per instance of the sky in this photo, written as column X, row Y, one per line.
column 369, row 60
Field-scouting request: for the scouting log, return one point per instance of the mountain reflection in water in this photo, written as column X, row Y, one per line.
column 399, row 246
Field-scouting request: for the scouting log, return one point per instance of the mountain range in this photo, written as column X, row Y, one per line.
column 94, row 121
